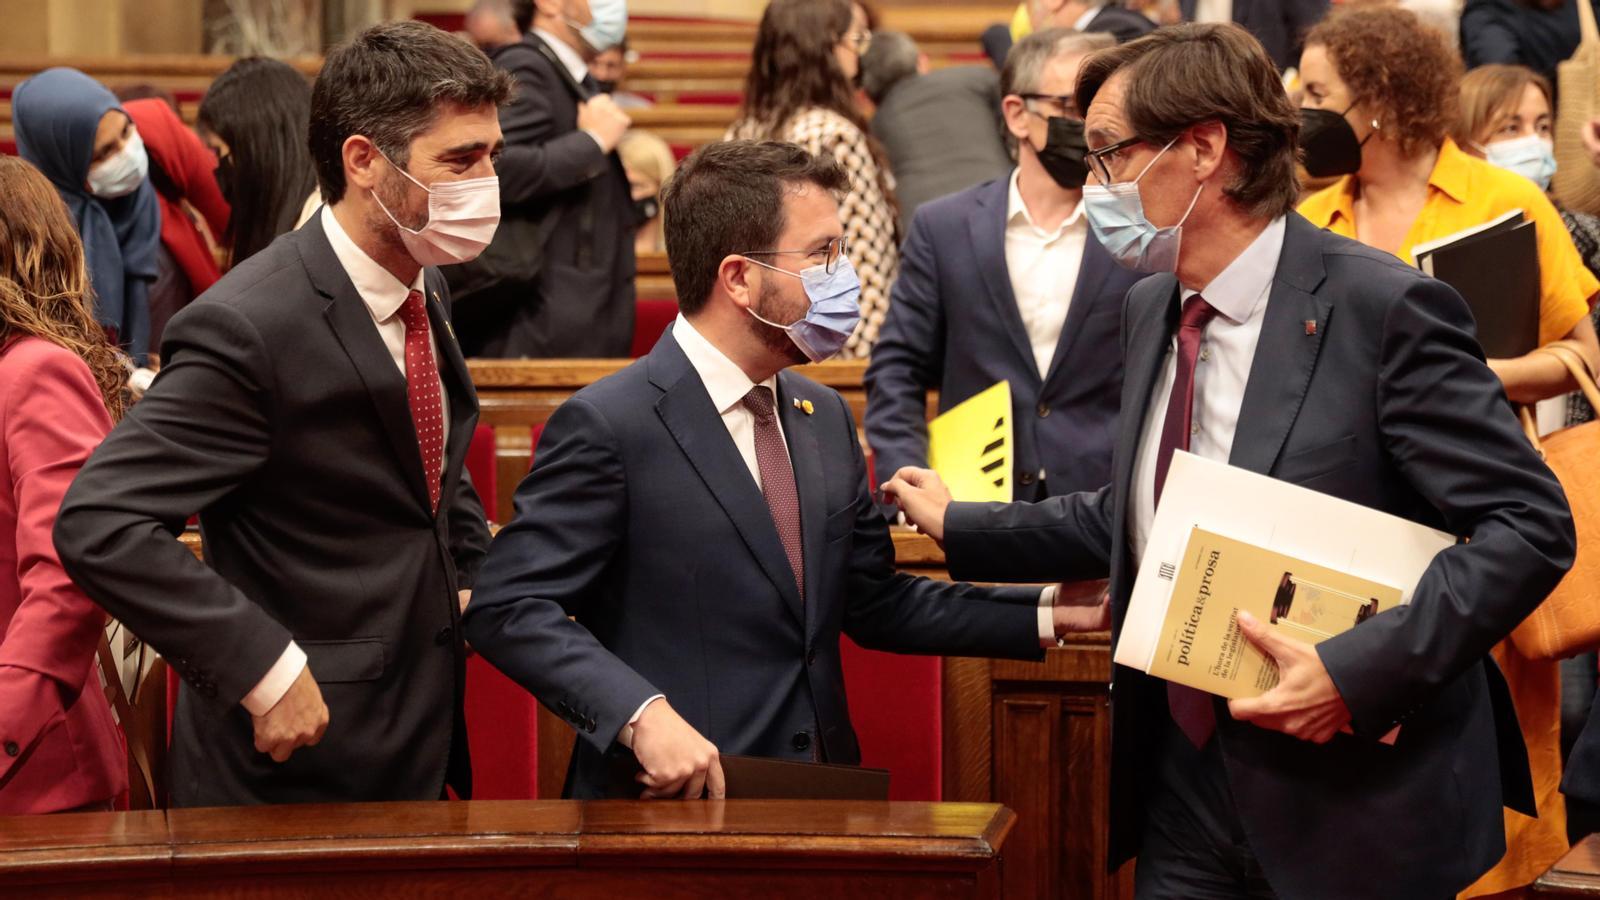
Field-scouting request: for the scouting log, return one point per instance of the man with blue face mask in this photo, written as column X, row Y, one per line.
column 697, row 532
column 1262, row 341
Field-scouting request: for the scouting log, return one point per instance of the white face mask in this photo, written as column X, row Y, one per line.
column 462, row 218
column 1531, row 156
column 121, row 173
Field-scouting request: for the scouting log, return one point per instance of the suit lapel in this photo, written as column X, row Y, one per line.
column 1152, row 312
column 686, row 411
column 457, row 384
column 987, row 226
column 1286, row 353
column 1092, row 274
column 801, row 439
column 351, row 322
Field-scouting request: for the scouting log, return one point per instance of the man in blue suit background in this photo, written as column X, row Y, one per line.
column 1004, row 282
column 704, row 517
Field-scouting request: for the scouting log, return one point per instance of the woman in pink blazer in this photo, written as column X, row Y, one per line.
column 60, row 386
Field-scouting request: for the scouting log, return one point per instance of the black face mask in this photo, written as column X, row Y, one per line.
column 1329, row 143
column 225, row 175
column 605, row 85
column 1065, row 151
column 646, row 208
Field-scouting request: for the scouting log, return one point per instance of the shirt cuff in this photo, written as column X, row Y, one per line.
column 1047, row 622
column 625, row 736
column 271, row 688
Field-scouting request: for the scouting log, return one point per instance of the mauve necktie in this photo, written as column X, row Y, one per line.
column 1191, row 708
column 777, row 479
column 423, row 392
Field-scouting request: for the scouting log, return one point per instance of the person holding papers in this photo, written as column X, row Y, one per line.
column 1286, row 350
column 1395, row 85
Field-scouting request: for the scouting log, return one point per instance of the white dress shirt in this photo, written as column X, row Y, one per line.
column 1227, row 350
column 1213, row 10
column 1043, row 266
column 383, row 295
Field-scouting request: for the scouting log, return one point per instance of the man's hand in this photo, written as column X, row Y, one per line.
column 923, row 497
column 297, row 720
column 1305, row 703
column 1591, row 140
column 601, row 117
column 465, row 596
column 677, row 760
column 1073, row 619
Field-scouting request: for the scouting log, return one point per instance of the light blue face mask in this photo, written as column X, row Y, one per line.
column 834, row 313
column 608, row 24
column 1530, row 156
column 1116, row 214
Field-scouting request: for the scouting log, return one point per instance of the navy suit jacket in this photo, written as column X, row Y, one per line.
column 1280, row 25
column 1386, row 402
column 640, row 519
column 953, row 325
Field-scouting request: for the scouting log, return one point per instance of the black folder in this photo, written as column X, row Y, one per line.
column 1495, row 268
column 757, row 778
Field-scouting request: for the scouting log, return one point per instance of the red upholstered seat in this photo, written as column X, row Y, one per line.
column 480, row 465
column 895, row 708
column 651, row 320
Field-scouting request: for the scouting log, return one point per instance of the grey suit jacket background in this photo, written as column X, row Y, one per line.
column 943, row 134
column 281, row 418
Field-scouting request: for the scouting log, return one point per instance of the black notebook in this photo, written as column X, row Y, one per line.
column 1495, row 268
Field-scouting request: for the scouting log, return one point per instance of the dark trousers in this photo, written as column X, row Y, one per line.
column 1194, row 847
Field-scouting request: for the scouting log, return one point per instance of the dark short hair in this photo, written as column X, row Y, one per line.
column 727, row 198
column 891, row 59
column 389, row 84
column 1185, row 75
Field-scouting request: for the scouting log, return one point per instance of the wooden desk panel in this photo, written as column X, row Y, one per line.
column 1575, row 875
column 515, row 849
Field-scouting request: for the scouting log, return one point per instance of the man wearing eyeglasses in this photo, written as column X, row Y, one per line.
column 1004, row 282
column 1262, row 341
column 704, row 518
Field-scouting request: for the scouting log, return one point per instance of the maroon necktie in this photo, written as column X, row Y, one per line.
column 777, row 479
column 423, row 392
column 1191, row 708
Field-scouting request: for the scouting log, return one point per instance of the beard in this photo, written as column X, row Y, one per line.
column 770, row 305
column 392, row 192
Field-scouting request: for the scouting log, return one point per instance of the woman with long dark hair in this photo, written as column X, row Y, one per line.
column 60, row 387
column 254, row 117
column 801, row 89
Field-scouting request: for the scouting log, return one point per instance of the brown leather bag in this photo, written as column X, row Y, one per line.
column 1568, row 621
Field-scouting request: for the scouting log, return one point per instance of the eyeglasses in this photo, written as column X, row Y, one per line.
column 828, row 254
column 1064, row 105
column 858, row 41
column 1100, row 160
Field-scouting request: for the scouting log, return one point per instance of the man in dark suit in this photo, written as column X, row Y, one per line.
column 315, row 411
column 1280, row 25
column 704, row 520
column 569, row 213
column 1096, row 16
column 1322, row 362
column 941, row 129
column 1004, row 282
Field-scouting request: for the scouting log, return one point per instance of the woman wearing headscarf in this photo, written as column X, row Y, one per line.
column 75, row 132
column 183, row 173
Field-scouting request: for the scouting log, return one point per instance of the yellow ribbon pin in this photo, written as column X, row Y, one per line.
column 804, row 406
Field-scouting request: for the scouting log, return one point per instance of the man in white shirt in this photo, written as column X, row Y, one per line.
column 315, row 411
column 1265, row 342
column 697, row 531
column 1004, row 282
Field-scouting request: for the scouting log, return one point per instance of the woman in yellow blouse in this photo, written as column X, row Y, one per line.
column 1381, row 97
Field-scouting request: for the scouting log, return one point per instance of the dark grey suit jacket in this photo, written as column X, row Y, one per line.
column 281, row 418
column 954, row 326
column 641, row 521
column 943, row 134
column 1386, row 403
column 1280, row 25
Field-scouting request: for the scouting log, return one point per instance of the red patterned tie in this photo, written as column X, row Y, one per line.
column 1191, row 708
column 423, row 392
column 777, row 479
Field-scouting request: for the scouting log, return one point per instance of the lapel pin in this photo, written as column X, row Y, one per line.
column 1311, row 326
column 804, row 406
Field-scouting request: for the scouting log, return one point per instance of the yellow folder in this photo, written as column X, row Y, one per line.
column 970, row 446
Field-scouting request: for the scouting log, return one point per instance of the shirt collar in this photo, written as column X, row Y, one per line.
column 1016, row 209
column 724, row 380
column 379, row 289
column 1451, row 176
column 1088, row 16
column 569, row 57
column 1240, row 291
